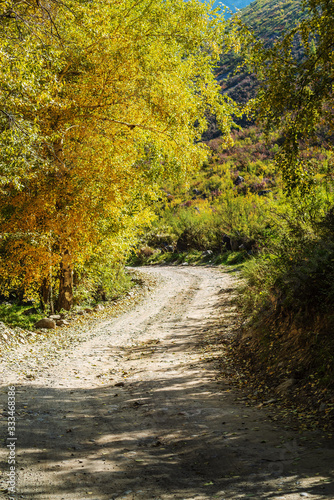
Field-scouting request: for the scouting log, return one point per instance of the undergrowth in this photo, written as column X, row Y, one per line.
column 286, row 300
column 13, row 315
column 194, row 257
column 90, row 289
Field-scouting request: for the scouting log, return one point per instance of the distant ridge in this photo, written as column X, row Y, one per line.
column 236, row 4
column 268, row 19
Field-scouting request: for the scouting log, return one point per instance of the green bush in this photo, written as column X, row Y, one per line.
column 214, row 183
column 198, row 231
column 295, row 274
column 13, row 315
column 101, row 279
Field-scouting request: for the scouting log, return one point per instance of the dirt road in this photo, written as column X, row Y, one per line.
column 135, row 411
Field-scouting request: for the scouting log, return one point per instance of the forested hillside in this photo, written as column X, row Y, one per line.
column 268, row 20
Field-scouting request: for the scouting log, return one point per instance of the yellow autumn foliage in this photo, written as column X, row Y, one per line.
column 108, row 100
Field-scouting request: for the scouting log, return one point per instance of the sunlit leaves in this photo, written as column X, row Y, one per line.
column 297, row 88
column 100, row 104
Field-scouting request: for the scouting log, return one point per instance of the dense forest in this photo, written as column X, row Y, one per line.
column 165, row 132
column 98, row 106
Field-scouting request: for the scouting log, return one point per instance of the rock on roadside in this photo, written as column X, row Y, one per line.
column 286, row 386
column 45, row 323
column 4, row 331
column 62, row 322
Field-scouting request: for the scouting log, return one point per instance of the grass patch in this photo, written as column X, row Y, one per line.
column 13, row 315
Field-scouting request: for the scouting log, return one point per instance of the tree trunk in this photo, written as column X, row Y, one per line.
column 65, row 297
column 44, row 294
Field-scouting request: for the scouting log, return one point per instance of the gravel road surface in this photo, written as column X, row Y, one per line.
column 135, row 407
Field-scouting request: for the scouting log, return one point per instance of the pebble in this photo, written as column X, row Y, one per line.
column 99, row 307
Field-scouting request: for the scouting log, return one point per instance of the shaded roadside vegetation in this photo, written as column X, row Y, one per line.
column 287, row 305
column 16, row 311
column 288, row 292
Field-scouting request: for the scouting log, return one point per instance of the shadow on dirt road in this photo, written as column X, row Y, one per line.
column 147, row 418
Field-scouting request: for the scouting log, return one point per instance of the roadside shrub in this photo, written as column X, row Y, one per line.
column 214, row 183
column 146, row 251
column 159, row 236
column 295, row 274
column 198, row 231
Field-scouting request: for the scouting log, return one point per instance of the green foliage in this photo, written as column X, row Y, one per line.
column 295, row 274
column 288, row 287
column 195, row 230
column 13, row 315
column 288, row 294
column 197, row 216
column 192, row 257
column 296, row 90
column 214, row 183
column 104, row 277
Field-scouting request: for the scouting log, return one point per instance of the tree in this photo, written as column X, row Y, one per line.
column 296, row 92
column 119, row 104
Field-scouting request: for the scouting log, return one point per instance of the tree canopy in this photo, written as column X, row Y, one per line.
column 100, row 102
column 296, row 92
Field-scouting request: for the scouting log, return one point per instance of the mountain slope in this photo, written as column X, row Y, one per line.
column 268, row 19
